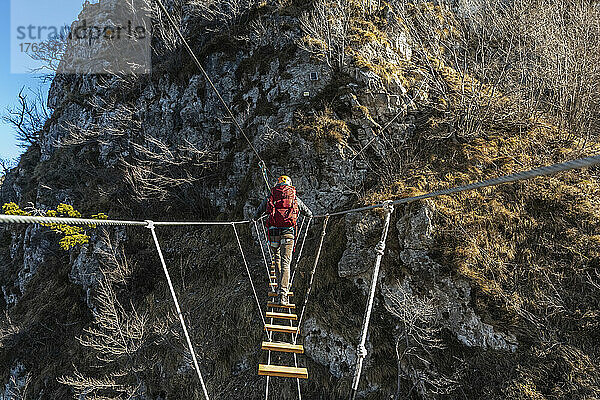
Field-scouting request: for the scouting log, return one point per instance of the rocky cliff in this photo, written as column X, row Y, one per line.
column 484, row 295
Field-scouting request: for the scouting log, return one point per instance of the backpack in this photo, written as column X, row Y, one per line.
column 282, row 207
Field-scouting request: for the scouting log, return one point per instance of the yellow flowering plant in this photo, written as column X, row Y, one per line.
column 72, row 236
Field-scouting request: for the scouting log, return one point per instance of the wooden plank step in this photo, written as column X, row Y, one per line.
column 282, row 371
column 281, row 315
column 273, row 284
column 283, row 347
column 275, row 305
column 281, row 328
column 271, row 294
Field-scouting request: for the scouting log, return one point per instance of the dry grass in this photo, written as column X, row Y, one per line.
column 529, row 248
column 323, row 128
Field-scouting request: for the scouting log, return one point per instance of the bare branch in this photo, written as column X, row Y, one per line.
column 29, row 117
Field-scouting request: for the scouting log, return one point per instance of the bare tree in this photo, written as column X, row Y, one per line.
column 326, row 31
column 156, row 169
column 493, row 64
column 29, row 117
column 49, row 53
column 418, row 338
column 17, row 389
column 218, row 14
column 116, row 338
column 6, row 165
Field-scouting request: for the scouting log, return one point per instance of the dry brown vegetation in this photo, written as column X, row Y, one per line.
column 322, row 128
column 116, row 339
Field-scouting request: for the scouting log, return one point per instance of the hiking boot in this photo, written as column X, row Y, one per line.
column 284, row 301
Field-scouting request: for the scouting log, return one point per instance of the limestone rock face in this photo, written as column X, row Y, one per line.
column 328, row 349
column 415, row 235
column 86, row 268
column 363, row 231
column 36, row 247
column 454, row 297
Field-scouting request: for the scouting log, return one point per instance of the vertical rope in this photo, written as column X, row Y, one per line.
column 300, row 251
column 312, row 278
column 262, row 250
column 269, row 334
column 179, row 314
column 267, row 240
column 297, row 379
column 299, row 232
column 361, row 351
column 250, row 277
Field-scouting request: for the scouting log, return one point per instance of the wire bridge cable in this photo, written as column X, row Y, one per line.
column 312, row 278
column 262, row 316
column 542, row 171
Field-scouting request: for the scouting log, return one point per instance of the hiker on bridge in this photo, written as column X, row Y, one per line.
column 282, row 207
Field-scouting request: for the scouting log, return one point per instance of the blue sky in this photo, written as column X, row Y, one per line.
column 34, row 12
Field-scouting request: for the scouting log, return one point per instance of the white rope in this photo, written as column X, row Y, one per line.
column 312, row 278
column 300, row 251
column 361, row 351
column 249, row 277
column 262, row 250
column 150, row 225
column 26, row 219
column 269, row 334
column 543, row 171
column 201, row 223
column 297, row 238
column 267, row 240
column 519, row 176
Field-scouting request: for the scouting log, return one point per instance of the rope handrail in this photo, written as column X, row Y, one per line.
column 30, row 219
column 262, row 249
column 262, row 316
column 27, row 219
column 299, row 257
column 312, row 277
column 519, row 176
column 361, row 350
column 542, row 171
column 270, row 334
column 203, row 223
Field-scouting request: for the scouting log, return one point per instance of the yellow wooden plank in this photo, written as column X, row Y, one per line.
column 281, row 328
column 283, row 347
column 278, row 315
column 282, row 371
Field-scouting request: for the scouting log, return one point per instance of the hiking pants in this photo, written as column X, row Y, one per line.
column 282, row 248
